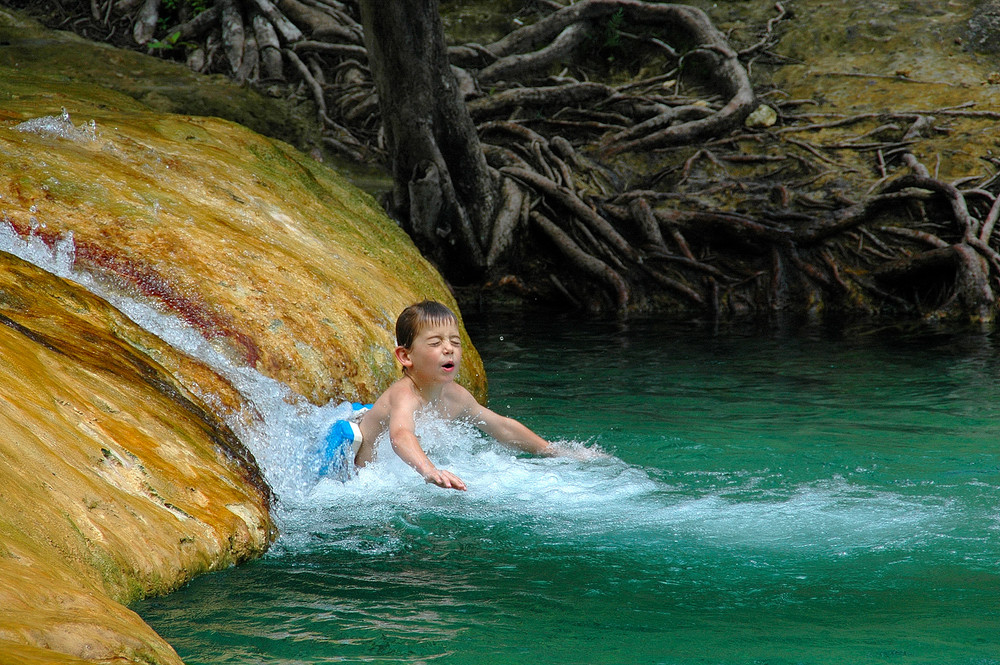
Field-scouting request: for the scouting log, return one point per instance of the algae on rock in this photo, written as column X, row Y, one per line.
column 116, row 479
column 117, row 483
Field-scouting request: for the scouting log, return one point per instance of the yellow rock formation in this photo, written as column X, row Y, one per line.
column 116, row 479
column 115, row 482
column 276, row 259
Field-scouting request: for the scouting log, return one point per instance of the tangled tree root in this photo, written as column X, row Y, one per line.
column 637, row 195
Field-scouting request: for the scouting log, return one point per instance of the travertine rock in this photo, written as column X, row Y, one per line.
column 116, row 479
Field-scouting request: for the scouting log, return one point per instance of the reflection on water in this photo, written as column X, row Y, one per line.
column 787, row 499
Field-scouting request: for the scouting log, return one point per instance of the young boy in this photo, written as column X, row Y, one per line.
column 430, row 351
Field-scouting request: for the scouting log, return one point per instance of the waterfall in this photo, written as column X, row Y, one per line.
column 291, row 427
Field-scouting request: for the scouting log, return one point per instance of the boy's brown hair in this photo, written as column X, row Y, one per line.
column 416, row 316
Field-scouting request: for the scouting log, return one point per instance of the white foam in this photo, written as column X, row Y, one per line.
column 608, row 503
column 59, row 126
column 57, row 260
column 830, row 517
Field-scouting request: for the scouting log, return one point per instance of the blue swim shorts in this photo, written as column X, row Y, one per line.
column 337, row 450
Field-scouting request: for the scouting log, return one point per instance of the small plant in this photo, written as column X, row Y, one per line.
column 196, row 6
column 613, row 29
column 170, row 16
column 168, row 42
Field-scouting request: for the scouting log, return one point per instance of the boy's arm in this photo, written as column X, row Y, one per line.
column 512, row 433
column 507, row 431
column 405, row 443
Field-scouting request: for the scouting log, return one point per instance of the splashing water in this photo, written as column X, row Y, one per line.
column 285, row 441
column 292, row 428
column 59, row 126
column 606, row 503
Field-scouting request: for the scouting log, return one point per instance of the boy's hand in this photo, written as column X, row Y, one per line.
column 443, row 478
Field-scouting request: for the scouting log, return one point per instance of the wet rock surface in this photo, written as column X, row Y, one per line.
column 119, row 476
column 117, row 482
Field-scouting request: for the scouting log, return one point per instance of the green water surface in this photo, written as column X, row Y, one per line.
column 770, row 499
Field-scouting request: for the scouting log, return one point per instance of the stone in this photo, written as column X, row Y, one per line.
column 984, row 28
column 762, row 116
column 117, row 479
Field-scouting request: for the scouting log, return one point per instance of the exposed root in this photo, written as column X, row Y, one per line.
column 693, row 232
column 585, row 262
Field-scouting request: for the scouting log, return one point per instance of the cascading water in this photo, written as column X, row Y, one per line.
column 290, row 428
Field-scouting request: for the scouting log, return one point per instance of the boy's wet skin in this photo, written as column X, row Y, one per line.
column 430, row 351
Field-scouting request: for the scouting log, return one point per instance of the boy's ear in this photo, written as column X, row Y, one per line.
column 403, row 356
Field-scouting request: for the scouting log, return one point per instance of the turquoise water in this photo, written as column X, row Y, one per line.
column 768, row 499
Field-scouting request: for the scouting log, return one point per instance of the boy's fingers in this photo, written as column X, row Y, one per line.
column 457, row 482
column 454, row 482
column 447, row 480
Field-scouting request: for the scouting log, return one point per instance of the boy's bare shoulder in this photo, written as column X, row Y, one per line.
column 389, row 396
column 462, row 402
column 397, row 399
column 397, row 386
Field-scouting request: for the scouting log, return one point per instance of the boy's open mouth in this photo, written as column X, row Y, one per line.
column 449, row 365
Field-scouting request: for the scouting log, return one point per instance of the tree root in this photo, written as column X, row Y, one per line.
column 683, row 234
column 585, row 261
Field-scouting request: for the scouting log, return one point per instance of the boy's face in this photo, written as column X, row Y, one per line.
column 435, row 354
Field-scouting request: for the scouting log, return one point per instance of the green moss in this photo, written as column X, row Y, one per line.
column 124, row 81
